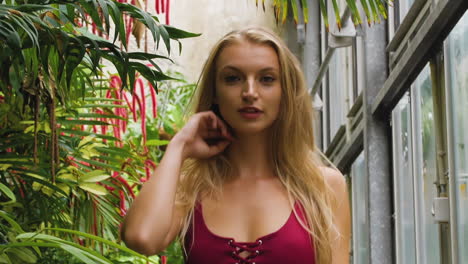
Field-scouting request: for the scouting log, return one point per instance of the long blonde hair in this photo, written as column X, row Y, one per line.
column 294, row 154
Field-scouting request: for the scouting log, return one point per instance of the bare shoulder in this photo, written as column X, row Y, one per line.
column 335, row 180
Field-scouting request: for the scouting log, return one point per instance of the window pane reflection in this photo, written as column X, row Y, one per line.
column 405, row 6
column 403, row 182
column 340, row 79
column 457, row 77
column 425, row 168
column 360, row 231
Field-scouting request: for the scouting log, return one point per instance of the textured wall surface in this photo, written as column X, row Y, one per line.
column 213, row 19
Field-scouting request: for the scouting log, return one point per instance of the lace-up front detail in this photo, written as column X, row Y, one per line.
column 290, row 244
column 252, row 248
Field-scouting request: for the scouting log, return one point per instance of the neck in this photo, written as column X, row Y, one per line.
column 250, row 157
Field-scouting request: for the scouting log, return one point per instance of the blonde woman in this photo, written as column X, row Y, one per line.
column 242, row 181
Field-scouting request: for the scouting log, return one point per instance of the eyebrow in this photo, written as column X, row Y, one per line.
column 230, row 67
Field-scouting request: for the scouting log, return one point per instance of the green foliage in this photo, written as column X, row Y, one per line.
column 67, row 175
column 373, row 10
column 175, row 98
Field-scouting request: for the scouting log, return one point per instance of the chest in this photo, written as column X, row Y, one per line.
column 247, row 213
column 291, row 244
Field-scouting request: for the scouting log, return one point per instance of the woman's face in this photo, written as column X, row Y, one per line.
column 248, row 86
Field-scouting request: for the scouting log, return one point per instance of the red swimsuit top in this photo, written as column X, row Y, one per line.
column 290, row 244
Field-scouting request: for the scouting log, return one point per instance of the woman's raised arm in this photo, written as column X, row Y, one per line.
column 153, row 220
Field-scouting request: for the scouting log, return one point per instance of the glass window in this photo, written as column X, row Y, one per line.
column 350, row 192
column 340, row 73
column 324, row 90
column 456, row 48
column 404, row 7
column 425, row 168
column 403, row 183
column 359, row 205
column 360, row 65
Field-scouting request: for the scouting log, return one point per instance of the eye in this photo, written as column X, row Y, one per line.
column 231, row 78
column 267, row 79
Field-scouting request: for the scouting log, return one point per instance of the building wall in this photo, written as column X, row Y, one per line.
column 213, row 19
column 394, row 122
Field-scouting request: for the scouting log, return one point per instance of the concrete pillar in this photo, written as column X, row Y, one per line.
column 311, row 50
column 377, row 152
column 311, row 59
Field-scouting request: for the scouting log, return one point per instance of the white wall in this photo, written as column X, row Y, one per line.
column 212, row 18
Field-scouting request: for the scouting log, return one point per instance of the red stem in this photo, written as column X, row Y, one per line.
column 20, row 185
column 93, row 26
column 167, row 11
column 124, row 182
column 123, row 211
column 163, row 6
column 142, row 110
column 157, row 7
column 116, row 82
column 124, row 111
column 154, row 100
column 129, row 28
column 95, row 218
column 118, row 112
column 130, row 105
column 103, row 129
column 148, row 172
column 109, row 188
column 148, row 164
column 124, row 122
column 134, row 101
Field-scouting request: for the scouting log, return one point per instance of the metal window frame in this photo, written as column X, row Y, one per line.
column 354, row 73
column 362, row 185
column 360, row 67
column 415, row 102
column 345, row 147
column 349, row 184
column 324, row 92
column 396, row 127
column 401, row 27
column 416, row 119
column 397, row 150
column 391, row 20
column 451, row 164
column 442, row 18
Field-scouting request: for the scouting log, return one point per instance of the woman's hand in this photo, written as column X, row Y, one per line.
column 204, row 136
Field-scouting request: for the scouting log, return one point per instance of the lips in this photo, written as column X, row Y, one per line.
column 250, row 109
column 250, row 112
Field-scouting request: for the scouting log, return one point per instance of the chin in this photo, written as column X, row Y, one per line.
column 240, row 125
column 250, row 129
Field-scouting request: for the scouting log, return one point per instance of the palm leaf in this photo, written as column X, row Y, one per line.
column 104, row 241
column 373, row 10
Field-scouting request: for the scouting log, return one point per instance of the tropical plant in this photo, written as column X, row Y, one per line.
column 373, row 10
column 65, row 179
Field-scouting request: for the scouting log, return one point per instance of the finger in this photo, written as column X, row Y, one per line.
column 219, row 124
column 225, row 133
column 224, row 130
column 219, row 147
column 214, row 119
column 212, row 134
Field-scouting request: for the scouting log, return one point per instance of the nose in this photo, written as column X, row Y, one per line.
column 249, row 91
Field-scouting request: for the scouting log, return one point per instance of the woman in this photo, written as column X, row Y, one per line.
column 242, row 181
